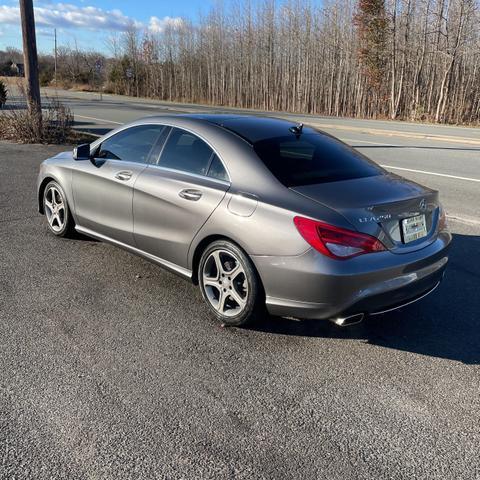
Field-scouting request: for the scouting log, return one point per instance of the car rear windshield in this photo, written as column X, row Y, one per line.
column 311, row 158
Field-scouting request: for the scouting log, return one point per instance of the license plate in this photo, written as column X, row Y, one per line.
column 414, row 228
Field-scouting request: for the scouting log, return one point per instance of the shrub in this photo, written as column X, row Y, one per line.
column 45, row 77
column 3, row 94
column 54, row 126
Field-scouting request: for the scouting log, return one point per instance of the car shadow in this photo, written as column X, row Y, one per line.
column 444, row 324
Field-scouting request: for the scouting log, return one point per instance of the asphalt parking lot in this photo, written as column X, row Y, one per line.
column 111, row 368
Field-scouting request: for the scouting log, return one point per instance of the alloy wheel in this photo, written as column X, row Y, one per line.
column 225, row 283
column 55, row 209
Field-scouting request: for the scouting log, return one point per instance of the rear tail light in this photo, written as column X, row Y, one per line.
column 336, row 242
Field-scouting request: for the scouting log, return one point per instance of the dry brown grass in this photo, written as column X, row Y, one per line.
column 11, row 80
column 14, row 83
column 54, row 126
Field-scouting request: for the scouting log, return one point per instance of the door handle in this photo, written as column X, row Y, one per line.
column 124, row 175
column 190, row 194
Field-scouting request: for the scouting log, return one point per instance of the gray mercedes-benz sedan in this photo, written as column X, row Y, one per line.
column 261, row 213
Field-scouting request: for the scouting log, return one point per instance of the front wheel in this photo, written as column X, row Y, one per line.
column 230, row 284
column 55, row 207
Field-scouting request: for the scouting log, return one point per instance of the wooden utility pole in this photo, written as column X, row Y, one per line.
column 30, row 58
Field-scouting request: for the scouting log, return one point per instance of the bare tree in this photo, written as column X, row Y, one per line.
column 404, row 59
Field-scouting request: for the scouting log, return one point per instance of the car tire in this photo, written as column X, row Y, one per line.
column 230, row 284
column 57, row 212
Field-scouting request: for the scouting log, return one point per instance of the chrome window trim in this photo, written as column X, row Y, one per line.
column 123, row 162
column 190, row 174
column 114, row 131
column 151, row 160
column 96, row 143
column 201, row 138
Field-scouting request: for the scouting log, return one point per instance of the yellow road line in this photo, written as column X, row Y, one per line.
column 391, row 133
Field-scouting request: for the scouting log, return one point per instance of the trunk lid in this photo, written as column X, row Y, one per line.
column 377, row 205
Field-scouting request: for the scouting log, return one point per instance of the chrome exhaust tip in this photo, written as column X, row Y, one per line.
column 347, row 321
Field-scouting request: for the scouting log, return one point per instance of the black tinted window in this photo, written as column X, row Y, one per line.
column 313, row 158
column 132, row 144
column 185, row 151
column 157, row 148
column 217, row 170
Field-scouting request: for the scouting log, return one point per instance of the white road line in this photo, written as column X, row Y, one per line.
column 86, row 132
column 397, row 133
column 98, row 119
column 431, row 173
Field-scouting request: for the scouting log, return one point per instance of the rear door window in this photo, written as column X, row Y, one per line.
column 312, row 158
column 157, row 148
column 186, row 152
column 217, row 170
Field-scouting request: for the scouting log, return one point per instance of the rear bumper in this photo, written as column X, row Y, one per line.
column 401, row 297
column 314, row 286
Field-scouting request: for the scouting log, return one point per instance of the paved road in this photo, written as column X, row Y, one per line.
column 443, row 157
column 111, row 368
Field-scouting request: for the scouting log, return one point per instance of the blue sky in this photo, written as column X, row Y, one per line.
column 91, row 22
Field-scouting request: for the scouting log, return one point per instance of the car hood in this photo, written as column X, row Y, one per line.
column 60, row 157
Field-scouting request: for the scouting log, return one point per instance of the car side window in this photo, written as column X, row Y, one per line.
column 132, row 144
column 157, row 148
column 217, row 170
column 185, row 151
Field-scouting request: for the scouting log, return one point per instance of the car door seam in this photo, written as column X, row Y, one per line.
column 133, row 200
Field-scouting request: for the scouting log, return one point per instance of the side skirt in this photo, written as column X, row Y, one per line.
column 172, row 267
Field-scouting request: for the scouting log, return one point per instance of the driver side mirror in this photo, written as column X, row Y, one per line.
column 82, row 152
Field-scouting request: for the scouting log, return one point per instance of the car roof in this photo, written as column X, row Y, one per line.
column 250, row 128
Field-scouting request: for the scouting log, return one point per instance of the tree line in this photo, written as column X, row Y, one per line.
column 398, row 59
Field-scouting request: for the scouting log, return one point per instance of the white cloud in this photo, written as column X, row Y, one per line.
column 45, row 32
column 158, row 25
column 64, row 15
column 9, row 15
